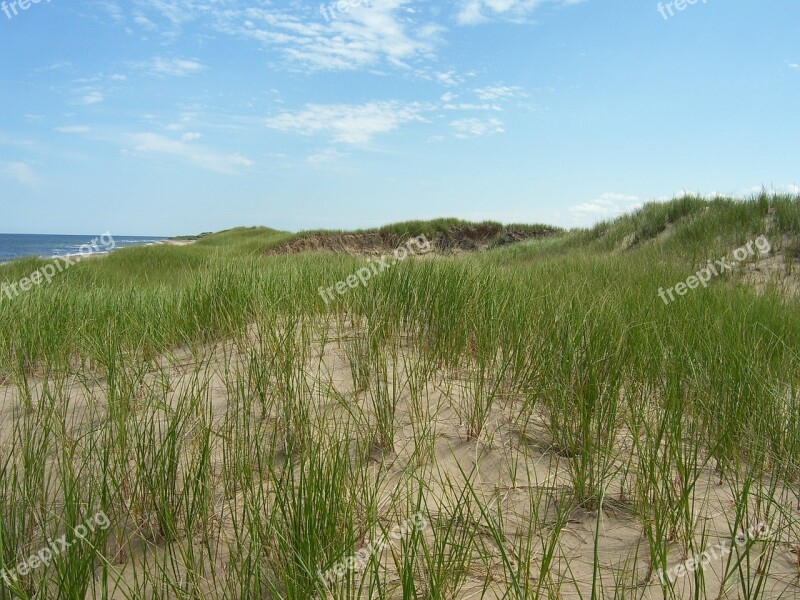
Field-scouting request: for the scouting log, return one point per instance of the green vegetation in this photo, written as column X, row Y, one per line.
column 562, row 432
column 447, row 232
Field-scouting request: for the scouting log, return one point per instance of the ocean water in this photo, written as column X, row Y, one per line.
column 14, row 246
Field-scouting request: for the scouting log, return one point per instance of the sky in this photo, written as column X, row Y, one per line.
column 156, row 117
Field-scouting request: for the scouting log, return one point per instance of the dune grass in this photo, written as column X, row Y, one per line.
column 243, row 437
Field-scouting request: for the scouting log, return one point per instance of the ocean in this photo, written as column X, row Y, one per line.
column 13, row 246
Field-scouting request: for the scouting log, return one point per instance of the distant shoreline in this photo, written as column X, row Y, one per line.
column 15, row 247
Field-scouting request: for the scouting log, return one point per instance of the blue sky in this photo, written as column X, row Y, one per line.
column 160, row 117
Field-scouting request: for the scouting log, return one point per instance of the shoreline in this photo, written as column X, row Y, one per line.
column 95, row 255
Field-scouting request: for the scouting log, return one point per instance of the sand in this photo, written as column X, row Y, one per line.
column 518, row 469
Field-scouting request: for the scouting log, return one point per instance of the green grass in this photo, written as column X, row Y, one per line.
column 536, row 404
column 487, row 232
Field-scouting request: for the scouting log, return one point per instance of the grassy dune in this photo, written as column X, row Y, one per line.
column 527, row 422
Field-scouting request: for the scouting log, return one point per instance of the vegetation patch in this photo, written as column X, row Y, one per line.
column 445, row 235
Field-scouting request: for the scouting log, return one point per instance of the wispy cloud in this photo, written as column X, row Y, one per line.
column 170, row 67
column 61, row 65
column 349, row 124
column 385, row 32
column 110, row 8
column 325, row 157
column 73, row 129
column 468, row 106
column 500, row 92
column 197, row 155
column 448, row 78
column 472, row 128
column 87, row 99
column 23, row 143
column 20, row 172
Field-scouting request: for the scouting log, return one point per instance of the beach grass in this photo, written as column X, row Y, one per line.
column 556, row 428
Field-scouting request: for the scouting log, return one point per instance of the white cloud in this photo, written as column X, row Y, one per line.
column 202, row 157
column 471, row 128
column 73, row 129
column 111, row 8
column 188, row 119
column 91, row 98
column 795, row 66
column 449, row 78
column 20, row 172
column 17, row 142
column 349, row 124
column 500, row 92
column 191, row 136
column 56, row 66
column 326, row 157
column 466, row 106
column 170, row 67
column 607, row 206
column 471, row 13
column 365, row 37
column 143, row 21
